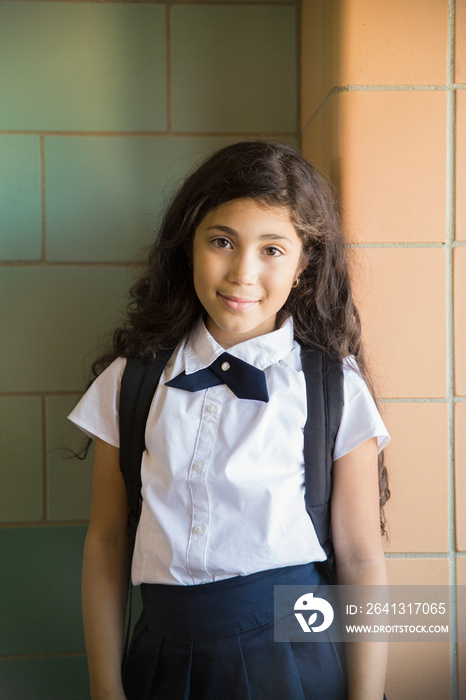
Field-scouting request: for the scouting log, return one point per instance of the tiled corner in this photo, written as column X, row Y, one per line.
column 387, row 43
column 59, row 317
column 21, row 457
column 45, row 678
column 460, row 476
column 234, row 68
column 400, row 293
column 461, row 161
column 82, row 66
column 69, row 480
column 366, row 43
column 105, row 196
column 319, row 54
column 460, row 320
column 393, row 167
column 460, row 41
column 40, row 580
column 417, row 454
column 319, row 140
column 20, row 198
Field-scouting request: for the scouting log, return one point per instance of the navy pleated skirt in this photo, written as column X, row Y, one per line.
column 215, row 641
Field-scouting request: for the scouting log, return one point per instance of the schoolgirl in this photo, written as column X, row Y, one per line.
column 251, row 260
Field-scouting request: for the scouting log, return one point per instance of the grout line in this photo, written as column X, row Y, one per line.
column 42, row 198
column 40, row 394
column 416, row 555
column 209, row 3
column 398, row 244
column 38, row 525
column 407, row 244
column 168, row 68
column 44, row 461
column 298, row 75
column 46, row 655
column 425, row 399
column 399, row 87
column 152, row 134
column 315, row 114
column 450, row 347
column 338, row 89
column 69, row 263
column 451, row 45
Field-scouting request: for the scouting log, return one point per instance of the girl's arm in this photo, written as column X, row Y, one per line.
column 106, row 567
column 359, row 556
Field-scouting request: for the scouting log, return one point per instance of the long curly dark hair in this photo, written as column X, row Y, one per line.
column 164, row 307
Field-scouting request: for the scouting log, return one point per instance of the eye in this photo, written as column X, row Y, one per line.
column 272, row 252
column 221, row 242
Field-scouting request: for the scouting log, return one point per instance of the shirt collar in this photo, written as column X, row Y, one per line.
column 201, row 349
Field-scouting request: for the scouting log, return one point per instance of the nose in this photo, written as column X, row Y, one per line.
column 243, row 269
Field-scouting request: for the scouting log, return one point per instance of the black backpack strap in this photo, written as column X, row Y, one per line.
column 324, row 389
column 138, row 386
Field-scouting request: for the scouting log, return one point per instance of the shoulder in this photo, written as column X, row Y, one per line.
column 97, row 411
column 112, row 373
column 354, row 384
column 360, row 419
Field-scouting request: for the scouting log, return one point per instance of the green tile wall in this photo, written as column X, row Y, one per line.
column 20, row 198
column 40, row 583
column 104, row 107
column 57, row 317
column 59, row 678
column 82, row 66
column 234, row 68
column 21, row 459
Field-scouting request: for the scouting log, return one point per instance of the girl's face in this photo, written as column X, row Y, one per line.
column 246, row 257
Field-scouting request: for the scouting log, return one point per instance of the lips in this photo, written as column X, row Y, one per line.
column 236, row 303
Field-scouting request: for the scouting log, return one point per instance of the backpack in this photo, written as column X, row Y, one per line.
column 324, row 393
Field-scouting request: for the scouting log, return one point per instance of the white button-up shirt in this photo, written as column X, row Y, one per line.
column 223, row 477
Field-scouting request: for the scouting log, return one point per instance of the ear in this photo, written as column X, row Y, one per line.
column 303, row 263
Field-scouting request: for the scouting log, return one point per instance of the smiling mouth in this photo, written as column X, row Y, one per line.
column 236, row 303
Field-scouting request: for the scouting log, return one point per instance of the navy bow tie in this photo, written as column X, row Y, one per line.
column 245, row 381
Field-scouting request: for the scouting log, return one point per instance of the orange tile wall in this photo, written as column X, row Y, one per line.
column 383, row 112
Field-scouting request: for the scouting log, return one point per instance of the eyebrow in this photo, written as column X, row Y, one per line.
column 263, row 236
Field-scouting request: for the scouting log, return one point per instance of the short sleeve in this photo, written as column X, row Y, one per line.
column 97, row 412
column 360, row 418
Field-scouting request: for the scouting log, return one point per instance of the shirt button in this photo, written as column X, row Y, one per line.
column 225, row 366
column 199, row 529
column 211, row 408
column 199, row 467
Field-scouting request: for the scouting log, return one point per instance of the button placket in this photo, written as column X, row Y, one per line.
column 198, row 474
